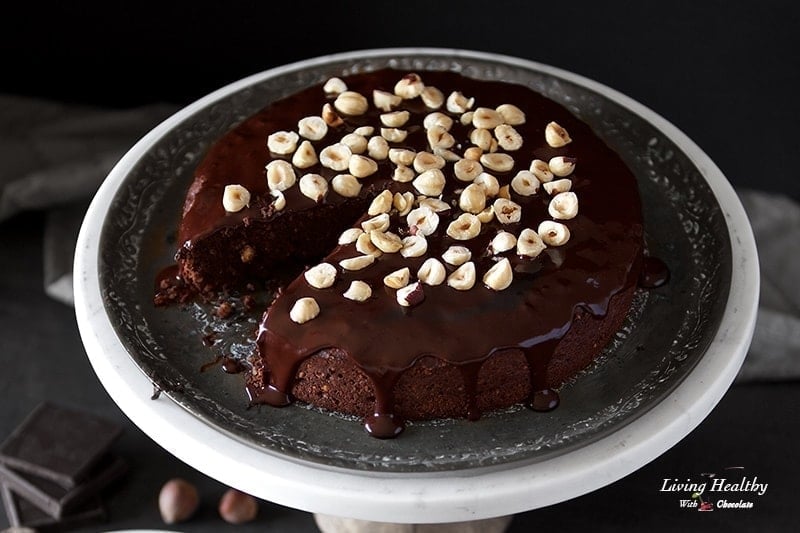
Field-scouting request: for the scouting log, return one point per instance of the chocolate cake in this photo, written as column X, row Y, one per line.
column 452, row 245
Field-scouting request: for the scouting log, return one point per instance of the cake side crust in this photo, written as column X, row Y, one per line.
column 433, row 388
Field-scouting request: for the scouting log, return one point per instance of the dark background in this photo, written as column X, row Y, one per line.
column 725, row 73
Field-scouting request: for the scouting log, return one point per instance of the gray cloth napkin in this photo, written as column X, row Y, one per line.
column 775, row 350
column 55, row 156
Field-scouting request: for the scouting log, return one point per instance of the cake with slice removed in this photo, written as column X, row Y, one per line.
column 453, row 245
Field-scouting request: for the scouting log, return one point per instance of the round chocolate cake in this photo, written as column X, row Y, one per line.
column 449, row 245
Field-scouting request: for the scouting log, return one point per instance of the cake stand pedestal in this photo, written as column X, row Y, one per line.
column 337, row 524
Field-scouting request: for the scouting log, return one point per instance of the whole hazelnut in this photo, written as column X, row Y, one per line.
column 177, row 501
column 236, row 507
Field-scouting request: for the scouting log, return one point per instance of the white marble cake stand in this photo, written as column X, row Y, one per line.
column 442, row 496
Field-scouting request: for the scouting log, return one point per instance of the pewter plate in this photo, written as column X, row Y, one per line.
column 664, row 338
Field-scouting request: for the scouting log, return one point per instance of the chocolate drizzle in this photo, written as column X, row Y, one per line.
column 461, row 328
column 538, row 353
column 469, row 374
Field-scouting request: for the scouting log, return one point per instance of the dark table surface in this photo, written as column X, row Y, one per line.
column 727, row 76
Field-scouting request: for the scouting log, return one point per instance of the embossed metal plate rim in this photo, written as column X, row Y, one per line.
column 676, row 196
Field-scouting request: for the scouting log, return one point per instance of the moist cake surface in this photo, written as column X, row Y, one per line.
column 492, row 322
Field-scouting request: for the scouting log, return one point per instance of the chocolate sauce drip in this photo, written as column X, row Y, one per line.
column 462, row 328
column 469, row 373
column 654, row 273
column 544, row 400
column 538, row 353
column 384, row 425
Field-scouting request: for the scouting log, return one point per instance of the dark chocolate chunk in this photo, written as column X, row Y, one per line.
column 54, row 499
column 59, row 444
column 22, row 513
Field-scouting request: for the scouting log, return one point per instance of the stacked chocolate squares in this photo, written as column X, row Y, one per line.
column 54, row 467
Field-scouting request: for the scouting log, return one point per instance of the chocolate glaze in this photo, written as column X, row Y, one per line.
column 463, row 328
